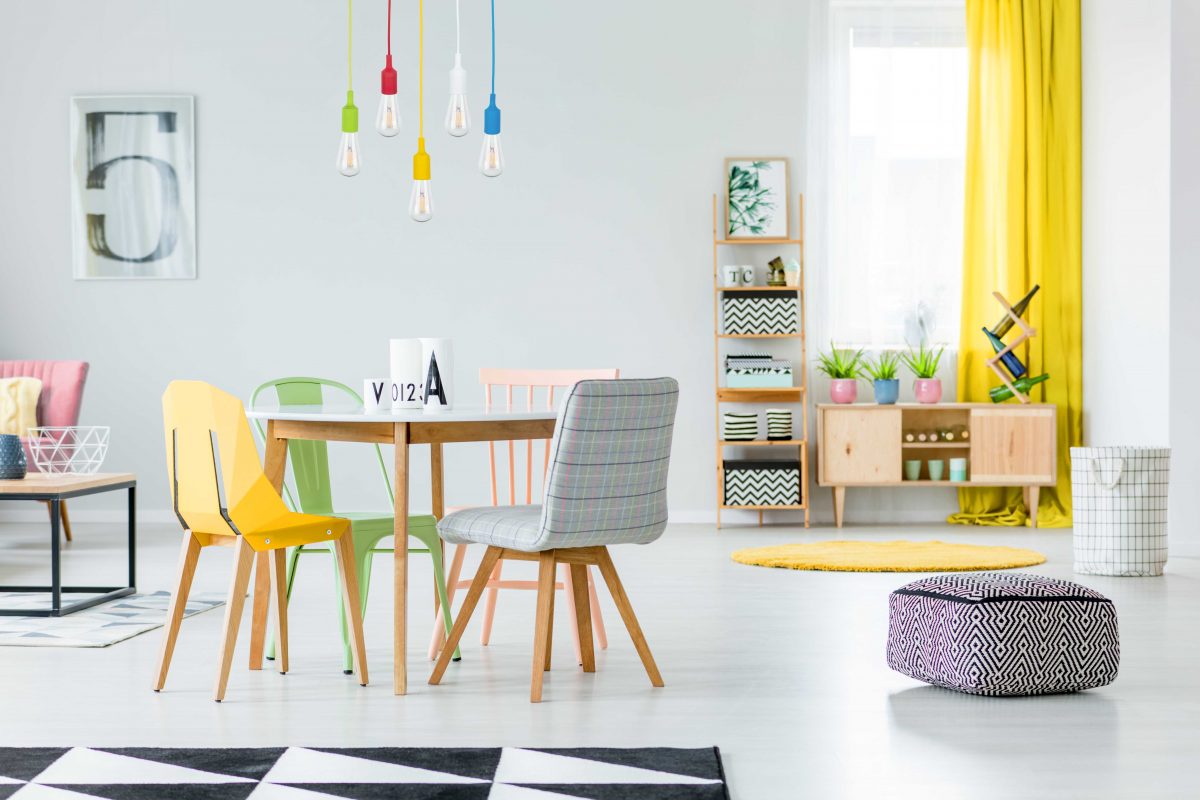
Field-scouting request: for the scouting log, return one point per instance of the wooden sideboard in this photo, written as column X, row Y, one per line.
column 1008, row 445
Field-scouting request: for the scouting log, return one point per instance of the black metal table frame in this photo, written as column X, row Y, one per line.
column 56, row 589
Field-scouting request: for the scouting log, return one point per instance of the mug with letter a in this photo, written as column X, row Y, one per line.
column 437, row 367
column 377, row 395
column 407, row 376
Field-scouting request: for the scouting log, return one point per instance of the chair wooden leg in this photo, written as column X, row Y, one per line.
column 439, row 631
column 489, row 608
column 542, row 623
column 261, row 608
column 604, row 561
column 569, row 596
column 583, row 616
column 597, row 617
column 242, row 562
column 352, row 602
column 66, row 521
column 490, row 557
column 550, row 626
column 189, row 555
column 279, row 599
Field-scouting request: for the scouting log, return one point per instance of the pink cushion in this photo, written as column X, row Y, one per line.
column 62, row 387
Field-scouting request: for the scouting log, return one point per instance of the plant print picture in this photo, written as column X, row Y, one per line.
column 757, row 206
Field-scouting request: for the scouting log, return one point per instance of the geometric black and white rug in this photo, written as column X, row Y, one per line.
column 361, row 773
column 101, row 626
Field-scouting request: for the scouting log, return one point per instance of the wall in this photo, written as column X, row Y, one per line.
column 1126, row 218
column 592, row 250
column 1185, row 278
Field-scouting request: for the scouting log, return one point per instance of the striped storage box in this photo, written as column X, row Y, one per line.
column 762, row 483
column 740, row 427
column 760, row 312
column 1119, row 506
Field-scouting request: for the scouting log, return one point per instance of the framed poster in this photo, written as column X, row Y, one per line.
column 756, row 200
column 133, row 187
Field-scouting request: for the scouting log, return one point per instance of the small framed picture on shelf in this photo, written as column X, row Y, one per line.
column 756, row 199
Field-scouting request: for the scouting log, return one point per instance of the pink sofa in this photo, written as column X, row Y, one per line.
column 62, row 394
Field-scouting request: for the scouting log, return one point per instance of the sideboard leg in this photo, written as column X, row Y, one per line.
column 1031, row 502
column 839, row 504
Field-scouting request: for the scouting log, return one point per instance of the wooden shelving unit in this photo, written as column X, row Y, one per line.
column 795, row 395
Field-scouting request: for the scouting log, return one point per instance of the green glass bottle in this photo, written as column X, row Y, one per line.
column 1001, row 393
column 1003, row 325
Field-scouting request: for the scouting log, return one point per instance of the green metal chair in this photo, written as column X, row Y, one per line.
column 310, row 474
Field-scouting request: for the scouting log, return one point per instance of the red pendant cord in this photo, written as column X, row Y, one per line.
column 388, row 78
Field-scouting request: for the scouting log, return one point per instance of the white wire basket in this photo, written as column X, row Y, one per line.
column 79, row 450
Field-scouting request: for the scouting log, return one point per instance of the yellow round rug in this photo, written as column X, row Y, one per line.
column 898, row 556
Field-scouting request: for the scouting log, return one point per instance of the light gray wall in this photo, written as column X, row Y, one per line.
column 592, row 250
column 1126, row 218
column 1184, row 376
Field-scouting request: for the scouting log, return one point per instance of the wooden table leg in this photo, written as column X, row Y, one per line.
column 839, row 504
column 437, row 482
column 400, row 561
column 274, row 465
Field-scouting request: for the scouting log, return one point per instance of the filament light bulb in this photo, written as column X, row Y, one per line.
column 420, row 203
column 458, row 118
column 387, row 119
column 348, row 160
column 491, row 157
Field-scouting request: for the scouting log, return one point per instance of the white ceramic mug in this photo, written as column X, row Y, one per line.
column 377, row 395
column 437, row 367
column 747, row 275
column 407, row 378
column 731, row 274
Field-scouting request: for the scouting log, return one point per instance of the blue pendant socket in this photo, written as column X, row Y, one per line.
column 491, row 118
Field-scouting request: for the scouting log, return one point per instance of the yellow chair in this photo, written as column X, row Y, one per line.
column 222, row 497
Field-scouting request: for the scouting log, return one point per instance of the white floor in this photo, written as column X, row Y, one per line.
column 783, row 670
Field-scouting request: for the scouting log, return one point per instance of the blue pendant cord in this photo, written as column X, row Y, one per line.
column 491, row 114
column 493, row 47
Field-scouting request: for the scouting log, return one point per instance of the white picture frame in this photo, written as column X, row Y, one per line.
column 756, row 198
column 133, row 187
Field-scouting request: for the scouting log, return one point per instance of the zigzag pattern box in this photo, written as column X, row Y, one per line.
column 762, row 483
column 1003, row 633
column 760, row 312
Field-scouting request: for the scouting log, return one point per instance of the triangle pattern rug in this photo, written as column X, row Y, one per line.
column 101, row 626
column 362, row 773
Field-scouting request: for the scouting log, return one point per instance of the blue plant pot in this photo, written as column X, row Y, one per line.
column 12, row 457
column 887, row 392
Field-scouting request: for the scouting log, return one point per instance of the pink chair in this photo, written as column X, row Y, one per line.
column 530, row 380
column 58, row 406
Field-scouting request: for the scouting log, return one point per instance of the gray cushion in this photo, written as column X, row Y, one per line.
column 514, row 527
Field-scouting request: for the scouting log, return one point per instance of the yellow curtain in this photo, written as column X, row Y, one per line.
column 1023, row 220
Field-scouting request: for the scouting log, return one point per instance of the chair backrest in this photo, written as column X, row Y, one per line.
column 607, row 482
column 217, row 483
column 62, row 388
column 310, row 459
column 499, row 388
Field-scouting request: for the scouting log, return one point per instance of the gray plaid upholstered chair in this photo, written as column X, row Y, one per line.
column 606, row 484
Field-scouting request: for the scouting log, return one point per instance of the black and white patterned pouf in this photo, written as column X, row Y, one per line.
column 1003, row 633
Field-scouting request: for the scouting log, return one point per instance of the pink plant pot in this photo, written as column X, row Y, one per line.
column 843, row 390
column 928, row 390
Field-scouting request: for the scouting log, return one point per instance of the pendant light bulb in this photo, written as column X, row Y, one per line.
column 420, row 203
column 387, row 120
column 348, row 161
column 491, row 157
column 458, row 118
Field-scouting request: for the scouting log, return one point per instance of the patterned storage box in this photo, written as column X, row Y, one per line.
column 762, row 483
column 760, row 312
column 1003, row 633
column 1119, row 505
column 757, row 371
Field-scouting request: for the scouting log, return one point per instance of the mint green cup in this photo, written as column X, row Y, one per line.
column 912, row 470
column 937, row 468
column 958, row 469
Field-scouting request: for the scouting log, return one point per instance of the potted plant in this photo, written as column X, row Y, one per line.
column 923, row 363
column 883, row 376
column 843, row 367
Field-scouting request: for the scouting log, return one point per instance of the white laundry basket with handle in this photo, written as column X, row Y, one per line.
column 1119, row 504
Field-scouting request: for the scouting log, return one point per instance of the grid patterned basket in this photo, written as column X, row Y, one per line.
column 1119, row 504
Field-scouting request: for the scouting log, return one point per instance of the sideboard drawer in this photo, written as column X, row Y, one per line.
column 860, row 446
column 1013, row 443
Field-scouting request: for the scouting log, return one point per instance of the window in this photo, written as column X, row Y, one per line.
column 895, row 111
